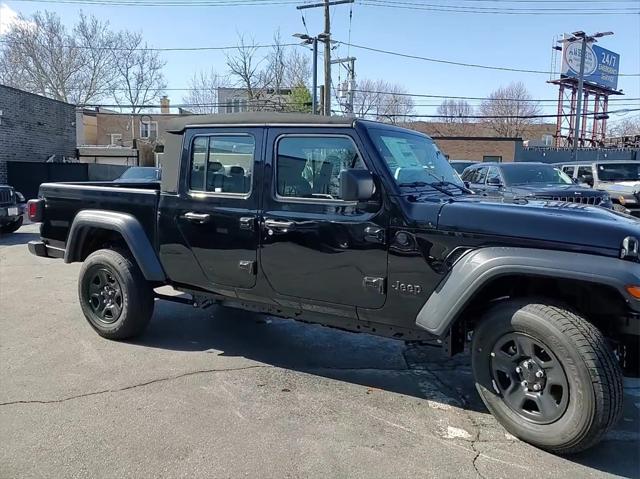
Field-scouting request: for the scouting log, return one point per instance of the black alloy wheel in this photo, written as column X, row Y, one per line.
column 529, row 377
column 104, row 294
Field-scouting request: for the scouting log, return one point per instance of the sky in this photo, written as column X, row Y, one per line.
column 517, row 41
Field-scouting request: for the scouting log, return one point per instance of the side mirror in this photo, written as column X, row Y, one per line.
column 494, row 182
column 356, row 185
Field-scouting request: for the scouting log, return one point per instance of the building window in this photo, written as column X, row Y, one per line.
column 496, row 159
column 236, row 105
column 116, row 139
column 149, row 129
column 222, row 163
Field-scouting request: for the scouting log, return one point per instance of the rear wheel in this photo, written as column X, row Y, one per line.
column 12, row 227
column 115, row 297
column 547, row 375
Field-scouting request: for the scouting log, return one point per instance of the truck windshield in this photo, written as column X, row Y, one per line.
column 619, row 171
column 413, row 160
column 521, row 174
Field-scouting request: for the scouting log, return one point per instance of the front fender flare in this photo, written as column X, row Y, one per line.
column 478, row 267
column 125, row 224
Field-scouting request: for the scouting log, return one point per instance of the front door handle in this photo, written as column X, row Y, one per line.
column 280, row 226
column 374, row 234
column 197, row 217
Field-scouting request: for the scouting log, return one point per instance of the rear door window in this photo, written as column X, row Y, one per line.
column 222, row 163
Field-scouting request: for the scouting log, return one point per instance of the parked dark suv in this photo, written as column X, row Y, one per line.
column 530, row 181
column 11, row 209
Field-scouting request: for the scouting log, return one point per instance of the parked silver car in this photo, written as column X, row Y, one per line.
column 621, row 179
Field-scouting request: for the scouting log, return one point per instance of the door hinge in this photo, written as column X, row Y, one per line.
column 248, row 266
column 372, row 282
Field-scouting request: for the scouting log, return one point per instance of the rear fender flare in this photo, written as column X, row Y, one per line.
column 125, row 224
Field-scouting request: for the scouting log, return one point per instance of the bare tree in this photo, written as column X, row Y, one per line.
column 367, row 97
column 382, row 101
column 625, row 127
column 396, row 106
column 512, row 108
column 244, row 66
column 39, row 55
column 203, row 91
column 297, row 68
column 139, row 81
column 455, row 111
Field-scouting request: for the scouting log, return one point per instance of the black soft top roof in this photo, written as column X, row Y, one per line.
column 258, row 118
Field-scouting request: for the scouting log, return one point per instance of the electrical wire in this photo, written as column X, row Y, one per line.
column 463, row 64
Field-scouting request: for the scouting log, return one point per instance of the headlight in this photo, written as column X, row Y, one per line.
column 626, row 200
column 20, row 197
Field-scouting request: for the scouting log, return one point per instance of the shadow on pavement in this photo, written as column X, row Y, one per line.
column 19, row 237
column 380, row 363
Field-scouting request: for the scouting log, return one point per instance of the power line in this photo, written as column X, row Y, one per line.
column 167, row 49
column 500, row 117
column 463, row 64
column 497, row 10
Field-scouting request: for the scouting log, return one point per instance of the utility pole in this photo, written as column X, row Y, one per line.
column 326, row 38
column 351, row 80
column 306, row 40
column 585, row 41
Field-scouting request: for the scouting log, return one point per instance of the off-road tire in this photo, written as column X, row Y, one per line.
column 12, row 227
column 593, row 375
column 135, row 294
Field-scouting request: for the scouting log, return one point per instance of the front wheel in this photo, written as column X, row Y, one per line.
column 115, row 297
column 547, row 375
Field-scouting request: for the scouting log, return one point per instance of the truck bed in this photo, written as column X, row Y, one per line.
column 64, row 200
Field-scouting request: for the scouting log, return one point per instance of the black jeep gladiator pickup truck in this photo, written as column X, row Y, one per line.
column 366, row 227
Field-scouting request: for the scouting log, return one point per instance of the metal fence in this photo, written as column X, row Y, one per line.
column 26, row 177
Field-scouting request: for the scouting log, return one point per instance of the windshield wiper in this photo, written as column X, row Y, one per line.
column 441, row 181
column 418, row 184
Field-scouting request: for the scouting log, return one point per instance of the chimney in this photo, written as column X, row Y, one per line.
column 164, row 104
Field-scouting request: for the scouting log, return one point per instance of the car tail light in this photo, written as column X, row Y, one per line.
column 34, row 210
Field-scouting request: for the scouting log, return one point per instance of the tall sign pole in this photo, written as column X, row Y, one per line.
column 576, row 123
column 326, row 38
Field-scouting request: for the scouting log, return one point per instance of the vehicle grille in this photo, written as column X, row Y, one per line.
column 5, row 196
column 583, row 200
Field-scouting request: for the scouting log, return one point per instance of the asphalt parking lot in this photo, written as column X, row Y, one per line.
column 225, row 393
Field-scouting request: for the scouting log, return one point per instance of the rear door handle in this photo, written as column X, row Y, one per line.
column 280, row 226
column 197, row 217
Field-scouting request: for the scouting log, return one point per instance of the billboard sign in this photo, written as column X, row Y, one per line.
column 601, row 66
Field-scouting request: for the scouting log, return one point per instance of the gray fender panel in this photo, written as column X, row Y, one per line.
column 130, row 229
column 478, row 267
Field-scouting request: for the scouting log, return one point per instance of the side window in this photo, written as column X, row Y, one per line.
column 309, row 167
column 494, row 175
column 468, row 174
column 222, row 163
column 568, row 170
column 585, row 174
column 481, row 175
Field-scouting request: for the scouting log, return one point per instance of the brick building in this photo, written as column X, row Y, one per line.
column 478, row 142
column 33, row 128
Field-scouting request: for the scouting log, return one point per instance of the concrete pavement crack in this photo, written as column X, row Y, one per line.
column 465, row 408
column 134, row 386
